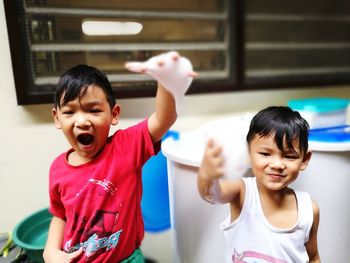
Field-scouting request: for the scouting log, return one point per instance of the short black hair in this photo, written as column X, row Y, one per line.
column 284, row 124
column 74, row 82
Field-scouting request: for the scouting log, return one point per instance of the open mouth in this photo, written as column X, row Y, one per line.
column 85, row 139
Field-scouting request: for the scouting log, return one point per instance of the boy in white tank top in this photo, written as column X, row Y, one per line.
column 268, row 221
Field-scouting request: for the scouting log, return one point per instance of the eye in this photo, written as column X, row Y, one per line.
column 264, row 153
column 68, row 112
column 95, row 110
column 292, row 157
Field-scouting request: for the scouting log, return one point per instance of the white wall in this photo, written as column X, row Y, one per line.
column 29, row 140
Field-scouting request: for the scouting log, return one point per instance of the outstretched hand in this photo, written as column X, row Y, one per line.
column 171, row 70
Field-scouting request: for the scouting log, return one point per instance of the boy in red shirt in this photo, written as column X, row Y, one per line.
column 95, row 187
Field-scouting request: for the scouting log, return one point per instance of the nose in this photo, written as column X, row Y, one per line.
column 277, row 163
column 82, row 121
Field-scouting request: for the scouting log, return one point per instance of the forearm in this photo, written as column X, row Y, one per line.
column 210, row 171
column 53, row 250
column 164, row 115
column 209, row 190
column 55, row 235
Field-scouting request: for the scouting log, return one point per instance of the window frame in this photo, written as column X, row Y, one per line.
column 237, row 53
column 20, row 50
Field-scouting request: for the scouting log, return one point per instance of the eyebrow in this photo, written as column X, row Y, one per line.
column 265, row 147
column 92, row 103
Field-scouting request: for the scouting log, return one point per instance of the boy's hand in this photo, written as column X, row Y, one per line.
column 59, row 256
column 212, row 166
column 171, row 70
column 234, row 148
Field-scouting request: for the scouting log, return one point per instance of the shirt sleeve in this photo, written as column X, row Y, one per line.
column 137, row 141
column 56, row 207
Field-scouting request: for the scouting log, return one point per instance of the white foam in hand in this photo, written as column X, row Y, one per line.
column 234, row 149
column 171, row 70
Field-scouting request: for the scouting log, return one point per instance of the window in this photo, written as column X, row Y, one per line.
column 234, row 45
column 46, row 38
column 291, row 43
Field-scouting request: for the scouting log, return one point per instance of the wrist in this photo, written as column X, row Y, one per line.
column 212, row 192
column 207, row 176
column 204, row 176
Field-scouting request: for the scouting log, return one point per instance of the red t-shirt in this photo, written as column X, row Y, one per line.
column 100, row 200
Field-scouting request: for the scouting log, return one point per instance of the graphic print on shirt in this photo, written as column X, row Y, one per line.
column 98, row 232
column 106, row 185
column 254, row 257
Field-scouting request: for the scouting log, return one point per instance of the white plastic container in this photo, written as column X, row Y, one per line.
column 197, row 236
column 327, row 179
column 321, row 112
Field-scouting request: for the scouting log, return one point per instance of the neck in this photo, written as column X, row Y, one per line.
column 75, row 159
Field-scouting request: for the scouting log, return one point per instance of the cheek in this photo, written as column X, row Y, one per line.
column 69, row 134
column 66, row 130
column 295, row 167
column 103, row 130
column 256, row 161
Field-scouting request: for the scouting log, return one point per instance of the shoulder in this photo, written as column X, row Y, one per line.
column 238, row 189
column 59, row 160
column 316, row 210
column 127, row 136
column 312, row 207
column 247, row 184
column 134, row 140
column 305, row 199
column 139, row 127
column 241, row 189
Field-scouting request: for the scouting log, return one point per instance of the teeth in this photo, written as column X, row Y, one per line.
column 85, row 139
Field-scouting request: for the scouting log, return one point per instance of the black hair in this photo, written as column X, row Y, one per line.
column 282, row 122
column 74, row 82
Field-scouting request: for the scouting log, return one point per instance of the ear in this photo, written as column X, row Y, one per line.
column 55, row 117
column 115, row 114
column 306, row 160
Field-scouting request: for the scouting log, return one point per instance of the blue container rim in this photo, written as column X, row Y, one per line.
column 336, row 134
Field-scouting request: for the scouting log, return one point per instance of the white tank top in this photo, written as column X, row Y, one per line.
column 251, row 238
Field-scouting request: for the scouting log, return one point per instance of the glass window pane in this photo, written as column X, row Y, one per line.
column 295, row 42
column 68, row 29
column 53, row 40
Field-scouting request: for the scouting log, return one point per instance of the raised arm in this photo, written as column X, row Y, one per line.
column 210, row 187
column 164, row 116
column 174, row 75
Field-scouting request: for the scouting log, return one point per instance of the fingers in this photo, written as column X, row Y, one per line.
column 214, row 148
column 213, row 162
column 210, row 143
